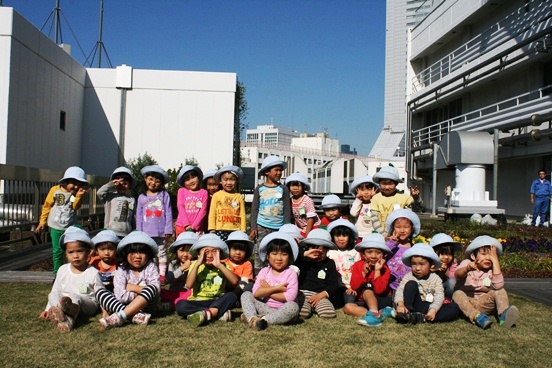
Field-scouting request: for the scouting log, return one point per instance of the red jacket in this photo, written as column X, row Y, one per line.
column 379, row 285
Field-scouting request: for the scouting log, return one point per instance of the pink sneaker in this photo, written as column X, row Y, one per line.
column 114, row 320
column 141, row 318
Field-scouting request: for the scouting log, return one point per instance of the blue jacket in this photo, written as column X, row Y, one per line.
column 541, row 189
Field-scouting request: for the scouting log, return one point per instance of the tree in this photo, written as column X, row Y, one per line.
column 240, row 115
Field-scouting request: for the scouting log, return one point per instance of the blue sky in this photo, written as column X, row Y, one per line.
column 307, row 65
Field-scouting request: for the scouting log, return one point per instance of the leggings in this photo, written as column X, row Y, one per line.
column 111, row 304
column 414, row 303
column 253, row 307
column 57, row 252
column 324, row 308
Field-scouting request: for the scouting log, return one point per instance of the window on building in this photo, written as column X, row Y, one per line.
column 62, row 119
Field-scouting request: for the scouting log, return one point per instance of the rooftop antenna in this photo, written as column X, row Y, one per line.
column 99, row 47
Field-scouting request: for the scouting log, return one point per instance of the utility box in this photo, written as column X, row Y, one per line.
column 460, row 147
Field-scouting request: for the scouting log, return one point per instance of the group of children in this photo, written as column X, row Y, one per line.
column 371, row 268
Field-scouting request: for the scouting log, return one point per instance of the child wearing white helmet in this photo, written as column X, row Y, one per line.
column 104, row 257
column 191, row 200
column 119, row 204
column 480, row 285
column 273, row 300
column 271, row 207
column 136, row 283
column 211, row 282
column 240, row 249
column 76, row 282
column 419, row 297
column 364, row 189
column 59, row 211
column 389, row 199
column 154, row 213
column 333, row 208
column 302, row 206
column 227, row 209
column 318, row 277
column 445, row 247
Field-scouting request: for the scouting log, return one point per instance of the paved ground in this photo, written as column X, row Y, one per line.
column 536, row 290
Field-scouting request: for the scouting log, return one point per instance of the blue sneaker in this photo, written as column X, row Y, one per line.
column 370, row 320
column 481, row 320
column 508, row 317
column 387, row 312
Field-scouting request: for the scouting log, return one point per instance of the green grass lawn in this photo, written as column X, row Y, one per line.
column 26, row 341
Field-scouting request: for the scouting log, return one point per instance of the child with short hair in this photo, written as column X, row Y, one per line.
column 59, row 211
column 105, row 259
column 136, row 283
column 118, row 203
column 344, row 235
column 403, row 225
column 318, row 277
column 271, row 207
column 389, row 199
column 192, row 201
column 370, row 281
column 240, row 250
column 480, row 285
column 154, row 213
column 227, row 211
column 445, row 247
column 363, row 188
column 273, row 300
column 419, row 297
column 302, row 205
column 76, row 282
column 209, row 278
column 333, row 208
column 209, row 183
column 177, row 271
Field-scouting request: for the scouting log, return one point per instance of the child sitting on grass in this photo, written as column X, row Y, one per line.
column 240, row 250
column 445, row 247
column 364, row 189
column 344, row 235
column 318, row 277
column 274, row 297
column 136, row 283
column 370, row 281
column 332, row 207
column 209, row 278
column 419, row 297
column 75, row 284
column 105, row 258
column 480, row 285
column 177, row 272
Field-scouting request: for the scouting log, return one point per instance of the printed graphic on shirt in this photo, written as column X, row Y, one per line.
column 65, row 209
column 154, row 209
column 123, row 211
column 229, row 213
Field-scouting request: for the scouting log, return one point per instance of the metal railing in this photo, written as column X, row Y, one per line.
column 481, row 117
column 22, row 194
column 512, row 26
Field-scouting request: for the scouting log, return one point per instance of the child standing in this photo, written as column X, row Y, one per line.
column 105, row 259
column 403, row 225
column 480, row 285
column 389, row 199
column 118, row 203
column 344, row 235
column 318, row 277
column 75, row 284
column 363, row 188
column 302, row 205
column 59, row 211
column 192, row 201
column 240, row 250
column 177, row 272
column 271, row 207
column 211, row 186
column 445, row 247
column 209, row 278
column 136, row 283
column 332, row 207
column 274, row 297
column 227, row 211
column 154, row 213
column 370, row 281
column 419, row 297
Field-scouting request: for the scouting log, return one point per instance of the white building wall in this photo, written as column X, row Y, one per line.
column 43, row 80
